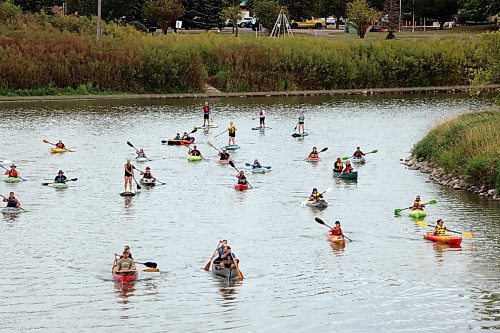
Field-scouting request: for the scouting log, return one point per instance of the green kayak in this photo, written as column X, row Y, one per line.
column 12, row 180
column 353, row 175
column 59, row 185
column 195, row 158
column 417, row 213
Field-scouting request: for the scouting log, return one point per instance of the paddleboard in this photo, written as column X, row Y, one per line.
column 127, row 193
column 297, row 135
column 231, row 147
column 209, row 126
column 260, row 128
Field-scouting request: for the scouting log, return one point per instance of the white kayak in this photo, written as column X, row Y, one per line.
column 11, row 210
column 142, row 159
column 148, row 181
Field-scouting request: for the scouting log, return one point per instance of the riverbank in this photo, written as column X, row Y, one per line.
column 463, row 153
column 211, row 94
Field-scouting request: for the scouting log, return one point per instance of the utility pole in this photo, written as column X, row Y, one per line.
column 399, row 16
column 98, row 37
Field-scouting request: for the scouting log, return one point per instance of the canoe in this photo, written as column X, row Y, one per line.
column 223, row 272
column 204, row 127
column 125, row 278
column 224, row 161
column 60, row 185
column 241, row 187
column 12, row 179
column 260, row 170
column 231, row 147
column 127, row 193
column 148, row 181
column 336, row 239
column 142, row 159
column 172, row 142
column 360, row 160
column 317, row 204
column 313, row 159
column 58, row 150
column 194, row 158
column 456, row 240
column 417, row 213
column 352, row 175
column 11, row 211
column 297, row 135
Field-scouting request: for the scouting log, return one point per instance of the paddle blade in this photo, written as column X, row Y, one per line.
column 150, row 264
column 320, row 221
column 130, row 144
column 432, row 202
column 467, row 234
column 74, row 179
column 345, row 158
column 231, row 163
column 240, row 274
column 397, row 211
column 207, row 266
column 423, row 224
column 323, row 150
column 151, row 270
column 374, row 151
column 247, row 164
column 194, row 131
column 45, row 184
column 45, row 141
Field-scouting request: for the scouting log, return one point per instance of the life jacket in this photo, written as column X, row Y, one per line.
column 242, row 179
column 302, row 118
column 195, row 152
column 348, row 168
column 224, row 156
column 60, row 145
column 148, row 175
column 141, row 155
column 440, row 230
column 60, row 179
column 338, row 166
column 178, row 137
column 232, row 130
column 358, row 154
column 417, row 205
column 336, row 232
column 13, row 173
column 313, row 155
column 206, row 109
column 256, row 165
column 261, row 113
column 11, row 202
column 315, row 196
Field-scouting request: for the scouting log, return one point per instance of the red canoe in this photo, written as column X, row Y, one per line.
column 125, row 278
column 241, row 187
column 443, row 239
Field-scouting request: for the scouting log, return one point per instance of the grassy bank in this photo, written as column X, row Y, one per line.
column 467, row 146
column 58, row 55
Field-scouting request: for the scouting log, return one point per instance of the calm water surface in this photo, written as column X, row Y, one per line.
column 57, row 257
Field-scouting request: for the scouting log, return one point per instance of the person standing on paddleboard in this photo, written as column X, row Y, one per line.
column 207, row 108
column 129, row 174
column 301, row 120
column 232, row 133
column 262, row 117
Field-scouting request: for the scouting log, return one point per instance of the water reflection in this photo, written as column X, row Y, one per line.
column 337, row 247
column 228, row 289
column 124, row 291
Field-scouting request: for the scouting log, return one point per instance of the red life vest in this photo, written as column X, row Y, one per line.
column 336, row 232
column 60, row 145
column 13, row 173
column 206, row 109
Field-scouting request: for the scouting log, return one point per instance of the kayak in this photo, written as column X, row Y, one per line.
column 313, row 159
column 417, row 213
column 172, row 142
column 360, row 160
column 231, row 147
column 125, row 278
column 297, row 135
column 11, row 210
column 209, row 126
column 58, row 150
column 194, row 158
column 336, row 239
column 59, row 185
column 352, row 175
column 261, row 170
column 456, row 240
column 148, row 181
column 12, row 179
column 127, row 193
column 142, row 159
column 241, row 187
column 224, row 161
column 226, row 273
column 317, row 204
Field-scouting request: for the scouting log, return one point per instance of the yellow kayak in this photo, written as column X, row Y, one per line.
column 58, row 150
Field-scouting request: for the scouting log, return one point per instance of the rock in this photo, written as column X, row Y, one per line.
column 420, row 159
column 491, row 192
column 413, row 168
column 408, row 159
column 457, row 187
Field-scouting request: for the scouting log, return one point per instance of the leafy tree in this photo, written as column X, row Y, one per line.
column 163, row 12
column 442, row 10
column 478, row 9
column 8, row 12
column 340, row 7
column 391, row 8
column 361, row 15
column 233, row 14
column 301, row 8
column 111, row 9
column 36, row 6
column 204, row 14
column 267, row 12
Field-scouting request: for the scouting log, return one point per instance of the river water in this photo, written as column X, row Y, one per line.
column 57, row 257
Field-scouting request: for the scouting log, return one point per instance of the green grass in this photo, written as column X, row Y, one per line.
column 467, row 146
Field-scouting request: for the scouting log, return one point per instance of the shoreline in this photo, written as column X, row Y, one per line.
column 338, row 92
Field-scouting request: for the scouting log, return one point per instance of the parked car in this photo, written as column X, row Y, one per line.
column 312, row 23
column 329, row 20
column 246, row 22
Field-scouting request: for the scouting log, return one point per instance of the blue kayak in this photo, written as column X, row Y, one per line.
column 231, row 147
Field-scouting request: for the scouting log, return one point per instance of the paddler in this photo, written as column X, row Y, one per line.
column 224, row 155
column 358, row 153
column 125, row 248
column 337, row 230
column 228, row 258
column 186, row 137
column 147, row 174
column 11, row 201
column 417, row 204
column 222, row 248
column 440, row 229
column 348, row 167
column 206, row 114
column 194, row 151
column 301, row 120
column 60, row 178
column 13, row 173
column 140, row 153
column 256, row 164
column 315, row 195
column 129, row 174
column 314, row 153
column 338, row 166
column 232, row 133
column 60, row 145
column 125, row 265
column 262, row 117
column 178, row 137
column 242, row 179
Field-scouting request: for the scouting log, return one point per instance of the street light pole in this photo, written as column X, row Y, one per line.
column 399, row 15
column 98, row 36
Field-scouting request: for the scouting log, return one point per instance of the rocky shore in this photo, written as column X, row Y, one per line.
column 438, row 175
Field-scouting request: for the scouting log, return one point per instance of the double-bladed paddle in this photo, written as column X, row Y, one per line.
column 466, row 234
column 371, row 152
column 136, row 150
column 67, row 180
column 264, row 167
column 50, row 143
column 231, row 163
column 320, row 221
column 24, row 210
column 399, row 210
column 321, row 151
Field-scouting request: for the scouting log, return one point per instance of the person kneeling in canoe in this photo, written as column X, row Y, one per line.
column 242, row 179
column 228, row 259
column 315, row 195
column 256, row 164
column 337, row 231
column 338, row 166
column 440, row 229
column 147, row 174
column 417, row 204
column 12, row 201
column 348, row 167
column 60, row 178
column 13, row 173
column 358, row 153
column 194, row 151
column 125, row 265
column 314, row 153
column 224, row 155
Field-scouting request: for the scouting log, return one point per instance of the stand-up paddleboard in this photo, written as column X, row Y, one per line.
column 127, row 193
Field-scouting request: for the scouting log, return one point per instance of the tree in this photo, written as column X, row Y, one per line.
column 340, row 7
column 391, row 9
column 163, row 12
column 37, row 6
column 8, row 12
column 442, row 10
column 477, row 10
column 233, row 14
column 301, row 8
column 203, row 14
column 267, row 12
column 130, row 10
column 361, row 15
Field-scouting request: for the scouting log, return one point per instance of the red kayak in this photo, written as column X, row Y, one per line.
column 125, row 278
column 313, row 159
column 224, row 161
column 443, row 239
column 241, row 187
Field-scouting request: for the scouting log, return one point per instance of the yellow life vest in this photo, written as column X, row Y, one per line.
column 440, row 230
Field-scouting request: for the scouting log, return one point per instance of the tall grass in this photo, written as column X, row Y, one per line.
column 468, row 145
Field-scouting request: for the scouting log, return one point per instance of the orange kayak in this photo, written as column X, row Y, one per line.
column 443, row 239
